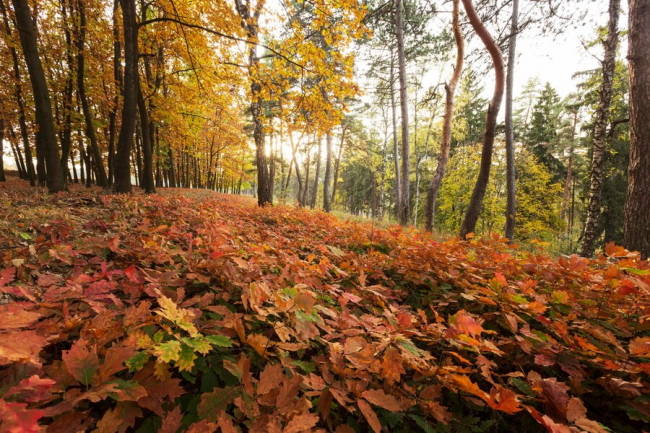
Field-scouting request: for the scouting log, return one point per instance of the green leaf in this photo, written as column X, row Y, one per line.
column 219, row 340
column 26, row 236
column 137, row 361
column 422, row 423
column 168, row 351
column 307, row 367
column 186, row 358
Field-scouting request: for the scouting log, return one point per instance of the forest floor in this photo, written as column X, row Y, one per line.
column 190, row 310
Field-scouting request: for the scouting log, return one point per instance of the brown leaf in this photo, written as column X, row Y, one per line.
column 370, row 415
column 381, row 399
column 172, row 421
column 301, row 423
column 270, row 378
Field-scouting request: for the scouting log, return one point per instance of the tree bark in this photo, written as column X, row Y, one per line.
column 637, row 206
column 510, row 133
column 117, row 77
column 42, row 102
column 147, row 171
column 3, row 178
column 590, row 233
column 337, row 165
column 317, row 174
column 125, row 138
column 405, row 186
column 474, row 208
column 445, row 145
column 327, row 201
column 81, row 88
column 393, row 104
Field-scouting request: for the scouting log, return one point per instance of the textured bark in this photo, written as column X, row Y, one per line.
column 393, row 106
column 18, row 157
column 147, row 169
column 434, row 187
column 637, row 206
column 42, row 103
column 327, row 201
column 510, row 133
column 81, row 89
column 3, row 178
column 337, row 165
column 125, row 138
column 474, row 208
column 590, row 233
column 314, row 193
column 66, row 134
column 404, row 207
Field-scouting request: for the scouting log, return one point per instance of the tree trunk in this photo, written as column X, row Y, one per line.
column 337, row 165
column 398, row 183
column 117, row 77
column 434, row 187
column 3, row 178
column 637, row 206
column 404, row 204
column 18, row 157
column 317, row 174
column 66, row 135
column 590, row 234
column 81, row 88
column 125, row 138
column 510, row 133
column 569, row 173
column 42, row 103
column 474, row 208
column 327, row 202
column 147, row 172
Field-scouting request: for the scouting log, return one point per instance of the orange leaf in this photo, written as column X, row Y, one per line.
column 370, row 415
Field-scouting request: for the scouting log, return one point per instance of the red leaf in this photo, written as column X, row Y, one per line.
column 21, row 346
column 82, row 362
column 32, row 389
column 16, row 418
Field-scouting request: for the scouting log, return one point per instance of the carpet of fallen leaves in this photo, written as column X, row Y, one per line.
column 194, row 311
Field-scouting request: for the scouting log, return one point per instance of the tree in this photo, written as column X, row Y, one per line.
column 510, row 133
column 637, row 206
column 42, row 104
column 445, row 145
column 404, row 207
column 469, row 223
column 596, row 177
column 542, row 134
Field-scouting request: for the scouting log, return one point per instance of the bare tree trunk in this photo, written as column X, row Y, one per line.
column 18, row 156
column 450, row 89
column 117, row 76
column 3, row 178
column 125, row 138
column 404, row 203
column 569, row 173
column 314, row 194
column 398, row 183
column 66, row 136
column 147, row 171
column 337, row 165
column 510, row 133
column 327, row 200
column 637, row 206
column 590, row 234
column 42, row 103
column 474, row 208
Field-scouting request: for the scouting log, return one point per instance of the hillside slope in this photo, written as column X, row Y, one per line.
column 194, row 311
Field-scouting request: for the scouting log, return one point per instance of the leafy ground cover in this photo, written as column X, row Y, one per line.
column 193, row 311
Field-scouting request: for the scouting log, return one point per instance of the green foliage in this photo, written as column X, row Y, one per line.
column 538, row 197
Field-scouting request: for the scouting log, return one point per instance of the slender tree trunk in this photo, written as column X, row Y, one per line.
column 147, row 172
column 81, row 88
column 305, row 192
column 474, row 208
column 337, row 165
column 393, row 104
column 445, row 145
column 125, row 138
column 3, row 178
column 510, row 133
column 66, row 135
column 327, row 202
column 404, row 204
column 317, row 174
column 43, row 106
column 18, row 156
column 590, row 234
column 637, row 206
column 569, row 173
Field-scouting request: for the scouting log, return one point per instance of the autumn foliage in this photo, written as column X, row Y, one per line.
column 194, row 311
